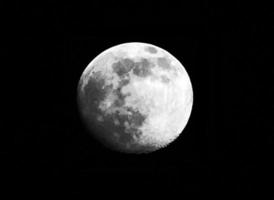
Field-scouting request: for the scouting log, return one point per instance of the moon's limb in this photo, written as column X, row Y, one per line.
column 165, row 97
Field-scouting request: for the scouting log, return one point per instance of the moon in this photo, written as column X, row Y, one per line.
column 135, row 97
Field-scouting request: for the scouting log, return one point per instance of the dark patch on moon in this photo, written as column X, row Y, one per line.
column 103, row 125
column 151, row 49
column 122, row 67
column 120, row 100
column 163, row 63
column 142, row 68
column 122, row 135
column 164, row 79
column 94, row 91
column 97, row 75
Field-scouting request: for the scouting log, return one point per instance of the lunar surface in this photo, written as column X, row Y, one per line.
column 135, row 97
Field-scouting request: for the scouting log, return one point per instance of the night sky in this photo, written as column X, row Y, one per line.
column 226, row 145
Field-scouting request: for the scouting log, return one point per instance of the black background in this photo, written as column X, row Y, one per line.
column 226, row 51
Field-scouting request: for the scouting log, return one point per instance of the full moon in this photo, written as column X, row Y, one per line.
column 135, row 97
